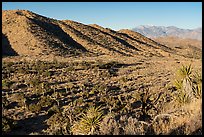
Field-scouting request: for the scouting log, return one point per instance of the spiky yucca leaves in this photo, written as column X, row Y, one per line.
column 197, row 90
column 185, row 72
column 182, row 97
column 88, row 122
column 178, row 84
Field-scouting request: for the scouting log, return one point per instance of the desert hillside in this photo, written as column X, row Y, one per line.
column 62, row 77
column 32, row 34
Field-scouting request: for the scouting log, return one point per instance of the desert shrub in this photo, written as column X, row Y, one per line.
column 54, row 109
column 5, row 102
column 36, row 108
column 124, row 125
column 22, row 70
column 163, row 124
column 9, row 64
column 135, row 127
column 86, row 65
column 124, row 79
column 7, row 124
column 47, row 73
column 59, row 124
column 6, row 84
column 39, row 66
column 44, row 88
column 21, row 99
column 109, row 126
column 108, row 65
column 131, row 129
column 45, row 101
column 34, row 82
column 70, row 68
column 147, row 102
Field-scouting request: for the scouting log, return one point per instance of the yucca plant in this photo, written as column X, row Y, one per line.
column 197, row 78
column 88, row 122
column 188, row 85
column 182, row 97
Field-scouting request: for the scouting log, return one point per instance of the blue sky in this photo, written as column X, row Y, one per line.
column 119, row 15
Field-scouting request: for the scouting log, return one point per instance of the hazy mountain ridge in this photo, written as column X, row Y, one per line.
column 160, row 31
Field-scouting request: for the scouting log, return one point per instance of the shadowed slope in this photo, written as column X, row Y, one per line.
column 7, row 50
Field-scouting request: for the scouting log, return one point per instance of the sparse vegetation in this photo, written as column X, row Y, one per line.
column 76, row 101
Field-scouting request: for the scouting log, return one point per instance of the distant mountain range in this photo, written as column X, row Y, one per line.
column 161, row 31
